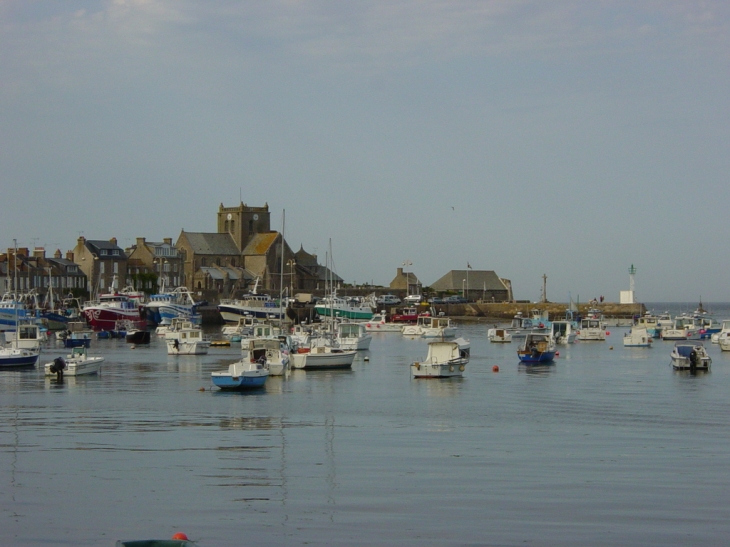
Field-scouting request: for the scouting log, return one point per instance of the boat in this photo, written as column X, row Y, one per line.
column 352, row 336
column 686, row 356
column 321, row 354
column 253, row 304
column 75, row 339
column 379, row 323
column 104, row 313
column 241, row 329
column 537, row 348
column 650, row 323
column 13, row 310
column 445, row 359
column 347, row 308
column 77, row 363
column 724, row 329
column 18, row 357
column 497, row 336
column 405, row 315
column 563, row 331
column 186, row 339
column 431, row 327
column 269, row 353
column 241, row 375
column 135, row 332
column 592, row 327
column 520, row 326
column 683, row 328
column 27, row 335
column 637, row 337
column 165, row 306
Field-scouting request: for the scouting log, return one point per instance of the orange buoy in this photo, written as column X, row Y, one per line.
column 180, row 535
column 495, row 368
column 202, row 389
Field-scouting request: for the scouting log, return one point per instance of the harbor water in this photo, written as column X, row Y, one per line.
column 608, row 446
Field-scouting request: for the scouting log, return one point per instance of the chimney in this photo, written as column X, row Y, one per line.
column 39, row 252
column 57, row 254
column 167, row 241
column 81, row 241
column 400, row 272
column 140, row 242
column 113, row 241
column 69, row 255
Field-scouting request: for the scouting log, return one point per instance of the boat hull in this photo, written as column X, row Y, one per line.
column 323, row 360
column 537, row 357
column 88, row 366
column 187, row 348
column 346, row 313
column 231, row 313
column 245, row 381
column 108, row 318
column 442, row 370
column 18, row 358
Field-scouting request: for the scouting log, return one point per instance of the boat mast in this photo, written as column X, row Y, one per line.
column 281, row 273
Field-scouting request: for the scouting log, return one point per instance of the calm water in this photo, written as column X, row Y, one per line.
column 605, row 447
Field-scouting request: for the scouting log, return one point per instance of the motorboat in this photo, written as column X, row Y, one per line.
column 269, row 353
column 352, row 336
column 637, row 337
column 242, row 329
column 431, row 327
column 75, row 339
column 18, row 357
column 724, row 340
column 687, row 356
column 253, row 304
column 650, row 323
column 724, row 329
column 445, row 359
column 379, row 323
column 404, row 315
column 135, row 332
column 563, row 331
column 321, row 354
column 683, row 328
column 187, row 339
column 520, row 326
column 26, row 335
column 538, row 347
column 241, row 375
column 77, row 363
column 592, row 327
column 499, row 336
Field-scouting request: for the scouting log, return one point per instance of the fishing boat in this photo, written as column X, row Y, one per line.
column 724, row 329
column 18, row 357
column 592, row 327
column 352, row 336
column 27, row 335
column 165, row 306
column 243, row 328
column 347, row 308
column 499, row 336
column 650, row 323
column 77, row 363
column 186, row 339
column 686, row 356
column 683, row 328
column 537, row 348
column 12, row 310
column 445, row 359
column 322, row 354
column 405, row 315
column 520, row 326
column 75, row 339
column 104, row 313
column 637, row 337
column 253, row 304
column 379, row 323
column 269, row 353
column 431, row 327
column 241, row 375
column 135, row 332
column 563, row 331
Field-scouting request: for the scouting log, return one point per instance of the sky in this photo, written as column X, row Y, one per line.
column 566, row 138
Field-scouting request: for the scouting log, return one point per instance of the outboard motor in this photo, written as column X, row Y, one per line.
column 693, row 360
column 57, row 367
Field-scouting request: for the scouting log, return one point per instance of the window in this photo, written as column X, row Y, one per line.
column 101, row 267
column 116, row 267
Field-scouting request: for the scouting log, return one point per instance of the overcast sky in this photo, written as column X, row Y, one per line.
column 566, row 138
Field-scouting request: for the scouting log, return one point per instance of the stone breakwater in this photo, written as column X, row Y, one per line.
column 505, row 311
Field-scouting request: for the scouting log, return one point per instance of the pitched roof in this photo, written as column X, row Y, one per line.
column 219, row 272
column 96, row 245
column 260, row 244
column 212, row 244
column 456, row 280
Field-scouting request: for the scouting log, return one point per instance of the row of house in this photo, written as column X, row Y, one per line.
column 242, row 253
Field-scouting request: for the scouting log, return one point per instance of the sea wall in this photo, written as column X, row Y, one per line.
column 504, row 311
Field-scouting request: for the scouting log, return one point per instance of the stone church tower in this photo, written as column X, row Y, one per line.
column 243, row 222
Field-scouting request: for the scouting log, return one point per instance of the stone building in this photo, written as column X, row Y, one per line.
column 154, row 264
column 405, row 282
column 484, row 285
column 103, row 262
column 36, row 272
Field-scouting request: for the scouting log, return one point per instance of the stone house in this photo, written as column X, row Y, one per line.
column 152, row 263
column 103, row 262
column 484, row 285
column 36, row 272
column 405, row 282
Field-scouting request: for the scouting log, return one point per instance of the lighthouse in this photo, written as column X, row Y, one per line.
column 627, row 297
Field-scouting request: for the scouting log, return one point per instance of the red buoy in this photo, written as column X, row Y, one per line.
column 608, row 333
column 495, row 368
column 557, row 354
column 180, row 535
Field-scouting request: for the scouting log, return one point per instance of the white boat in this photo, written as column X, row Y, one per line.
column 352, row 336
column 379, row 323
column 563, row 331
column 187, row 339
column 521, row 325
column 12, row 311
column 637, row 337
column 687, row 356
column 682, row 329
column 431, row 327
column 26, row 335
column 497, row 335
column 78, row 363
column 650, row 323
column 241, row 375
column 162, row 308
column 18, row 357
column 724, row 341
column 267, row 352
column 322, row 355
column 538, row 347
column 242, row 329
column 445, row 359
column 724, row 328
column 592, row 327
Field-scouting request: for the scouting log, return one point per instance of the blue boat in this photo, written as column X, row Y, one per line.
column 537, row 348
column 241, row 375
column 18, row 357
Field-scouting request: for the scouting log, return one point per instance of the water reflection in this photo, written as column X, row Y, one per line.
column 542, row 369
